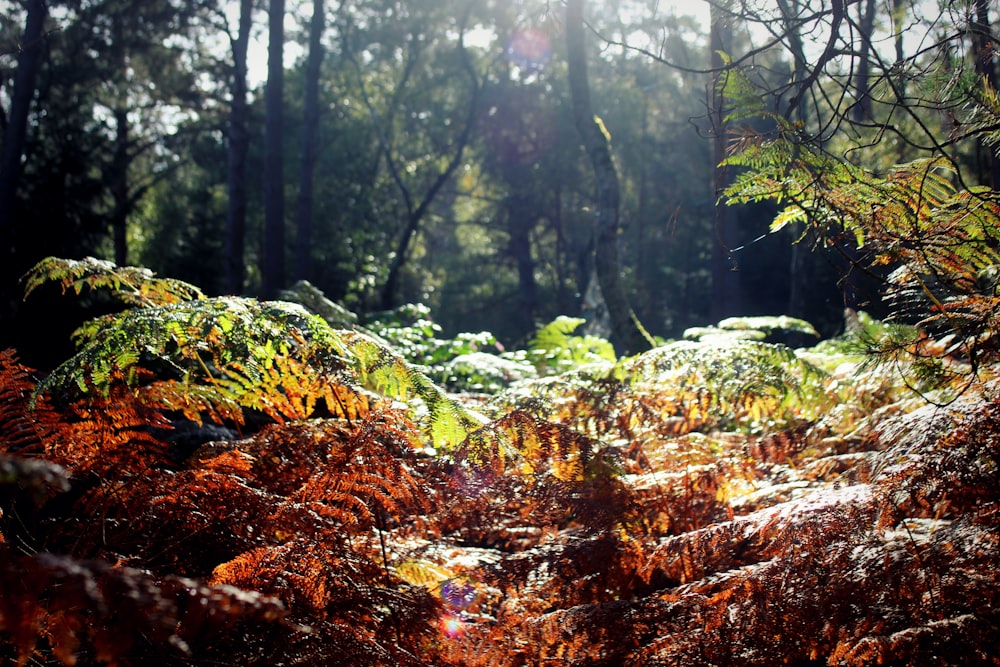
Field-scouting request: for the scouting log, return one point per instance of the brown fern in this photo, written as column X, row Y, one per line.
column 88, row 611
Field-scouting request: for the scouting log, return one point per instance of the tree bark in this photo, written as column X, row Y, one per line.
column 629, row 335
column 236, row 168
column 522, row 217
column 15, row 133
column 796, row 264
column 119, row 187
column 310, row 151
column 986, row 68
column 726, row 300
column 862, row 111
column 273, row 252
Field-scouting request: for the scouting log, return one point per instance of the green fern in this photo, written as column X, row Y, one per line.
column 215, row 356
column 744, row 383
column 132, row 285
column 555, row 349
column 445, row 421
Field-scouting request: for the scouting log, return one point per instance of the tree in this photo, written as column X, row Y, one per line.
column 309, row 148
column 985, row 46
column 238, row 145
column 435, row 140
column 273, row 250
column 725, row 276
column 628, row 332
column 28, row 61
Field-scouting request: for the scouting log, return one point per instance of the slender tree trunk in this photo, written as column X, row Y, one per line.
column 15, row 133
column 629, row 335
column 310, row 151
column 862, row 110
column 119, row 187
column 239, row 144
column 522, row 216
column 273, row 254
column 790, row 10
column 415, row 215
column 984, row 45
column 725, row 278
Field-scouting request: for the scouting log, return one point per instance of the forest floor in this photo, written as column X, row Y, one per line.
column 736, row 503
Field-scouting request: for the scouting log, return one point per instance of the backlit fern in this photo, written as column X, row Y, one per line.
column 216, row 357
column 937, row 245
column 132, row 285
column 715, row 501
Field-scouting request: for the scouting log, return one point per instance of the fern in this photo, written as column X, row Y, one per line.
column 133, row 286
column 23, row 425
column 941, row 244
column 59, row 608
column 215, row 357
column 530, row 446
column 556, row 350
column 445, row 421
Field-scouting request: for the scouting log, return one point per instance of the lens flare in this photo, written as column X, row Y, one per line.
column 459, row 592
column 452, row 626
column 529, row 49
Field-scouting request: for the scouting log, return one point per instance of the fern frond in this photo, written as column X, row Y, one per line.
column 133, row 286
column 23, row 423
column 554, row 348
column 58, row 608
column 192, row 342
column 742, row 380
column 365, row 476
column 530, row 446
column 444, row 419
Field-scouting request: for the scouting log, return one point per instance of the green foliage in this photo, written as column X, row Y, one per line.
column 759, row 327
column 131, row 285
column 411, row 331
column 939, row 245
column 482, row 372
column 729, row 383
column 216, row 356
column 446, row 421
column 554, row 349
column 722, row 381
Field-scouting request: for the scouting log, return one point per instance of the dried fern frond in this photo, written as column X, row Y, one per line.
column 58, row 608
column 24, row 424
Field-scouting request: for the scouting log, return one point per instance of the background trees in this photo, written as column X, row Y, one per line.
column 431, row 150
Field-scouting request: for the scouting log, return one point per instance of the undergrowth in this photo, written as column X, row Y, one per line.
column 226, row 481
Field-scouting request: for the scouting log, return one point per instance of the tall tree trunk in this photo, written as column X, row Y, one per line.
column 310, row 150
column 273, row 254
column 862, row 111
column 796, row 264
column 119, row 187
column 522, row 216
column 236, row 168
column 984, row 46
column 28, row 61
column 898, row 12
column 628, row 333
column 725, row 278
